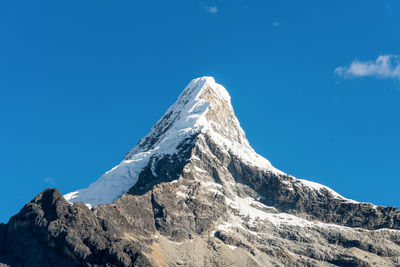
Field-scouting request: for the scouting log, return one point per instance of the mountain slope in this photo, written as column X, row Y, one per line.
column 204, row 109
column 202, row 124
column 194, row 193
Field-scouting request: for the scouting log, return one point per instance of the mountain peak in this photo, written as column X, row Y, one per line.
column 202, row 115
column 194, row 184
column 199, row 87
column 202, row 109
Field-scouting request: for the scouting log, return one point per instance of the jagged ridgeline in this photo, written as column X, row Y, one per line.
column 194, row 193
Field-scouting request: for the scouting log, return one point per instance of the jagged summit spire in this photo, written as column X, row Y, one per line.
column 198, row 86
column 203, row 108
column 194, row 180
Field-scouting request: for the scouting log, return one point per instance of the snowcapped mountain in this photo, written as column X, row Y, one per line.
column 194, row 193
column 202, row 110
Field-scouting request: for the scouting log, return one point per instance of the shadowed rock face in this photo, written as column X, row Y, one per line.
column 213, row 202
column 315, row 205
column 279, row 191
column 49, row 231
column 179, row 223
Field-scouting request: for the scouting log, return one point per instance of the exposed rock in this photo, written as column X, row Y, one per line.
column 50, row 232
column 199, row 195
column 3, row 229
column 183, row 223
column 288, row 195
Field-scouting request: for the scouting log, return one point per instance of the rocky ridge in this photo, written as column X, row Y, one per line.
column 194, row 193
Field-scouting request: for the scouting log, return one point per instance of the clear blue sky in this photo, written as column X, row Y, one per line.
column 82, row 81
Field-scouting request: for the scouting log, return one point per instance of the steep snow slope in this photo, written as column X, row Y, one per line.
column 203, row 108
column 198, row 195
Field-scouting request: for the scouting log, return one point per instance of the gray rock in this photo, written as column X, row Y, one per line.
column 204, row 206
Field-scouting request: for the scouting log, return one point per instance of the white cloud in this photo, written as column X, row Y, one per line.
column 386, row 66
column 49, row 181
column 211, row 9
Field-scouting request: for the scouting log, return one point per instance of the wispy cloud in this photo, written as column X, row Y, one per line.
column 211, row 9
column 385, row 66
column 49, row 181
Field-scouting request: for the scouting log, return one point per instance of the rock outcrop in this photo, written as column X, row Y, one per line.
column 194, row 193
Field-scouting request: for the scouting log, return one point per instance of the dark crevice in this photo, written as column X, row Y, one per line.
column 164, row 169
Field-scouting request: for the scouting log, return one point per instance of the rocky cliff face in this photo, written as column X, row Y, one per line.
column 194, row 193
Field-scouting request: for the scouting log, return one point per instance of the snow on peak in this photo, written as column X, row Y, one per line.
column 203, row 109
column 187, row 117
column 197, row 86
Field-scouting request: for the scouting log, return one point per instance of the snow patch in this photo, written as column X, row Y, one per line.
column 253, row 210
column 181, row 194
column 197, row 169
column 319, row 187
column 202, row 109
column 232, row 247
